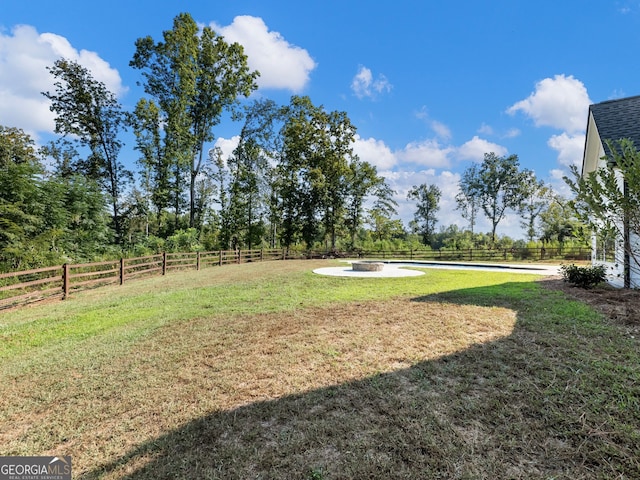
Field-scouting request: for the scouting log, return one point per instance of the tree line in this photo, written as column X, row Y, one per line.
column 495, row 187
column 293, row 179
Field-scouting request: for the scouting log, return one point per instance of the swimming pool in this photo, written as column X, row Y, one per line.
column 539, row 269
column 394, row 268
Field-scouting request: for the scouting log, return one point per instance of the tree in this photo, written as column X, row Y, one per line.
column 246, row 165
column 75, row 219
column 46, row 217
column 293, row 201
column 558, row 222
column 363, row 181
column 195, row 76
column 86, row 110
column 250, row 168
column 205, row 191
column 535, row 198
column 297, row 171
column 427, row 198
column 221, row 177
column 466, row 200
column 20, row 206
column 383, row 227
column 156, row 173
column 75, row 223
column 337, row 163
column 497, row 186
column 608, row 199
column 321, row 183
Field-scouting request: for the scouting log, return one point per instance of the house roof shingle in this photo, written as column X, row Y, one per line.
column 618, row 119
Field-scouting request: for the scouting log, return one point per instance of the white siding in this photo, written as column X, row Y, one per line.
column 634, row 261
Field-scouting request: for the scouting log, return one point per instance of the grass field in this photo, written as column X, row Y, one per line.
column 267, row 370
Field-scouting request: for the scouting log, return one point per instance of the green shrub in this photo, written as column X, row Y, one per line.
column 183, row 241
column 584, row 277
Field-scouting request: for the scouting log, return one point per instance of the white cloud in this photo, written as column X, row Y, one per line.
column 512, row 133
column 428, row 156
column 227, row 145
column 374, row 152
column 489, row 130
column 423, row 113
column 24, row 57
column 616, row 94
column 441, row 130
column 475, row 149
column 364, row 85
column 448, row 183
column 421, row 164
column 625, row 9
column 281, row 65
column 557, row 183
column 485, row 129
column 26, row 112
column 99, row 68
column 570, row 148
column 560, row 102
column 427, row 153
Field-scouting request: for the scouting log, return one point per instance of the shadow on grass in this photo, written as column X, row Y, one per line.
column 558, row 398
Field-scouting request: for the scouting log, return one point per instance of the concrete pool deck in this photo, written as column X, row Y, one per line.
column 394, row 268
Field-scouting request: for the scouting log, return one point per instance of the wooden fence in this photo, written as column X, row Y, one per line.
column 538, row 254
column 28, row 286
column 19, row 288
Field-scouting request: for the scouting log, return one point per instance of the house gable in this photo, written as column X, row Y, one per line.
column 614, row 120
column 593, row 148
column 610, row 120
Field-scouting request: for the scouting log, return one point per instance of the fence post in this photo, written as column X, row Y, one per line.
column 239, row 253
column 197, row 260
column 261, row 254
column 65, row 281
column 471, row 254
column 220, row 258
column 164, row 263
column 121, row 271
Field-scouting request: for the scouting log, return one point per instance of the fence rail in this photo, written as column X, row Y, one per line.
column 539, row 254
column 29, row 286
column 20, row 288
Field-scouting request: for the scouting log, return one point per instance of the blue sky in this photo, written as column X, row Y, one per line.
column 431, row 86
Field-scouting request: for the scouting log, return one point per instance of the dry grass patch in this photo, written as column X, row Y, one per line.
column 187, row 371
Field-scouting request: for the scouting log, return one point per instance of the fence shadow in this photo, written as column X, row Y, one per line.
column 495, row 410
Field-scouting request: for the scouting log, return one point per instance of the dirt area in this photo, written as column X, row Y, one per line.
column 621, row 306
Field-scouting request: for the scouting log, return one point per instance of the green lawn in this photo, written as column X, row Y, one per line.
column 267, row 370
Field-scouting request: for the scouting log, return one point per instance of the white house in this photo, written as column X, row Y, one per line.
column 611, row 121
